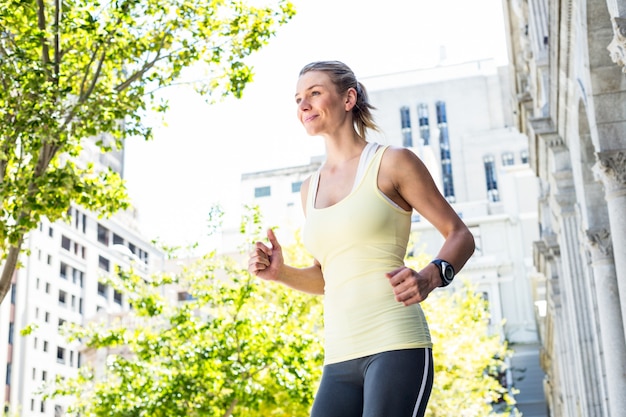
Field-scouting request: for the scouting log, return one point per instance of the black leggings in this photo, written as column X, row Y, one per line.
column 389, row 384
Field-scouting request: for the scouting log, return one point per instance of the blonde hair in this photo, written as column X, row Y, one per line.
column 343, row 78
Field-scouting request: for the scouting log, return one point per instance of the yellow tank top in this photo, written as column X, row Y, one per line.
column 357, row 241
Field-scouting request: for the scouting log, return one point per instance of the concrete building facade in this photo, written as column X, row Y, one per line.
column 569, row 92
column 457, row 119
column 58, row 283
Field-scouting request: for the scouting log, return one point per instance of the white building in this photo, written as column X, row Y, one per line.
column 458, row 121
column 59, row 283
column 568, row 82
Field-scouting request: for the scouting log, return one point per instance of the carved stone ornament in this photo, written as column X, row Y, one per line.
column 617, row 47
column 599, row 244
column 611, row 169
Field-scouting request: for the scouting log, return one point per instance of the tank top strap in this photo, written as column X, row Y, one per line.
column 313, row 185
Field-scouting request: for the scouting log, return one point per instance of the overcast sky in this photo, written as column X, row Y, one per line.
column 198, row 158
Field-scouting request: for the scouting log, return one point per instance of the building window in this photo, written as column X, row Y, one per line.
column 102, row 289
column 185, row 296
column 77, row 277
column 60, row 355
column 117, row 297
column 66, row 243
column 103, row 235
column 296, row 186
column 508, row 159
column 422, row 115
column 405, row 121
column 50, row 231
column 444, row 146
column 262, row 191
column 62, row 298
column 117, row 240
column 523, row 155
column 490, row 177
column 80, row 221
column 45, row 345
column 104, row 263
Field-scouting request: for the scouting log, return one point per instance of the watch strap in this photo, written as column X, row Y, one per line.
column 443, row 266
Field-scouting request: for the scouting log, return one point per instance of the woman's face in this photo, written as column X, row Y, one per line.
column 321, row 110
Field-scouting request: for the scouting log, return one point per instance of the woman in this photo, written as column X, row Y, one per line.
column 358, row 206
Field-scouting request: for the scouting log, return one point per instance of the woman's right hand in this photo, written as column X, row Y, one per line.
column 265, row 261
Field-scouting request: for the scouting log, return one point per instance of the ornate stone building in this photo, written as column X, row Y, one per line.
column 568, row 65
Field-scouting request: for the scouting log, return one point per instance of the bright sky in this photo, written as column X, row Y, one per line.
column 198, row 158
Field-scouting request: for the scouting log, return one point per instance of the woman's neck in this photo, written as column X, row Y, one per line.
column 343, row 148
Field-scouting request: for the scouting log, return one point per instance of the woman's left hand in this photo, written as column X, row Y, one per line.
column 409, row 286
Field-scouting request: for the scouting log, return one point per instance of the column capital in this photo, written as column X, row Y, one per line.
column 599, row 244
column 610, row 168
column 617, row 47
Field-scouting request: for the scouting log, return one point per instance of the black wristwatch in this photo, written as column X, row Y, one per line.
column 446, row 271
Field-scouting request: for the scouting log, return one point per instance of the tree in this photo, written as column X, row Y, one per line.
column 468, row 357
column 234, row 346
column 77, row 70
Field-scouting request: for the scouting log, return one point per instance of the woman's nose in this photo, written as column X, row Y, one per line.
column 303, row 105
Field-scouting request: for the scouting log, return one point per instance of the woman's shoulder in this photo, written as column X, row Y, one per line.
column 399, row 155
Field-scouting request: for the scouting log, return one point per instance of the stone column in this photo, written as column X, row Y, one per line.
column 617, row 47
column 611, row 170
column 600, row 249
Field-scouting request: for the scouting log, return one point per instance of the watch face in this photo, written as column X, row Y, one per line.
column 448, row 272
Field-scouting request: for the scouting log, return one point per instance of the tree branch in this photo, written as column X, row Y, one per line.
column 96, row 75
column 41, row 22
column 57, row 40
column 87, row 70
column 229, row 412
column 139, row 73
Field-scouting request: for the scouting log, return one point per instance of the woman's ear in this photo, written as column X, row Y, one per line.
column 350, row 100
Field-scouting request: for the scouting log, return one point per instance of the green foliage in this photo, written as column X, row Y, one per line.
column 234, row 345
column 81, row 73
column 468, row 357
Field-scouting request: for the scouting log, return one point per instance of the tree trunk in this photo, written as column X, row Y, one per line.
column 9, row 268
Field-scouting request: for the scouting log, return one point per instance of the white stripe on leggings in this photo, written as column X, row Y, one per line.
column 423, row 387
